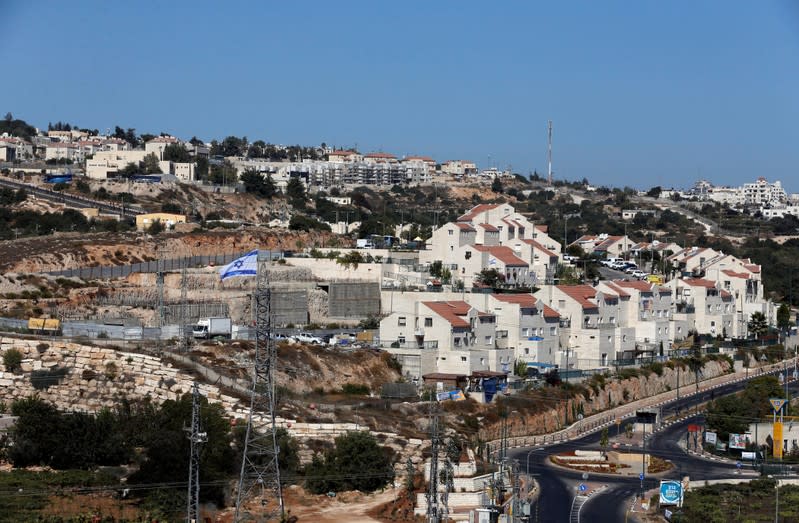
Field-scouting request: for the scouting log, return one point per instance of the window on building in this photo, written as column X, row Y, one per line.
column 401, row 340
column 623, row 337
column 451, row 248
column 489, row 340
column 468, row 255
column 482, row 361
column 401, row 321
column 553, row 331
column 561, row 304
column 450, row 232
column 612, row 320
column 525, row 332
column 428, row 322
column 610, row 339
column 527, row 351
column 463, row 358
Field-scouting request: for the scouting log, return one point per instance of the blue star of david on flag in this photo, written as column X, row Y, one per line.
column 247, row 265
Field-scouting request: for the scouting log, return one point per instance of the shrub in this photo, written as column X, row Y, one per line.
column 42, row 348
column 44, row 378
column 12, row 360
column 111, row 370
column 355, row 389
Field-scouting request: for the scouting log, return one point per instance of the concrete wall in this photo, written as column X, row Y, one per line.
column 353, row 299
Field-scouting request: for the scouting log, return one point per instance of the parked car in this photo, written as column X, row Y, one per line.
column 638, row 274
column 307, row 337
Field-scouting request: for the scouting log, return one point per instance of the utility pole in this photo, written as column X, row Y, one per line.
column 433, row 512
column 516, row 491
column 260, row 474
column 196, row 438
column 549, row 152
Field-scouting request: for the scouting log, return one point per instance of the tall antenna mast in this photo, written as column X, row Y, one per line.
column 196, row 438
column 549, row 152
column 260, row 474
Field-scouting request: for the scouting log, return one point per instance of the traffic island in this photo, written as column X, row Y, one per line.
column 612, row 463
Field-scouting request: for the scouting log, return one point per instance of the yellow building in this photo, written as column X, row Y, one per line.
column 143, row 221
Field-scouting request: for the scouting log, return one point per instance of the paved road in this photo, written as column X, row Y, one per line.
column 71, row 200
column 557, row 487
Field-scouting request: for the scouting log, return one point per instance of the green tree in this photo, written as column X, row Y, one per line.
column 176, row 152
column 732, row 414
column 654, row 192
column 436, row 269
column 129, row 170
column 151, row 165
column 258, row 184
column 758, row 325
column 603, row 439
column 358, row 462
column 784, row 317
column 496, row 185
column 295, row 191
column 490, row 277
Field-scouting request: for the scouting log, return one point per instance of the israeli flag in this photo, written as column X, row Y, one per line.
column 247, row 265
column 492, row 261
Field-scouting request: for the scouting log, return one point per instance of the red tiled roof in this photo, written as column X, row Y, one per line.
column 734, row 274
column 450, row 311
column 379, row 155
column 504, row 254
column 423, row 158
column 542, row 228
column 527, row 301
column 488, row 227
column 753, row 268
column 610, row 240
column 582, row 294
column 477, row 209
column 700, row 282
column 613, row 285
column 540, row 247
column 639, row 285
column 464, row 226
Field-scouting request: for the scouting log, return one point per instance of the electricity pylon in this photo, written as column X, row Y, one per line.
column 260, row 474
column 196, row 438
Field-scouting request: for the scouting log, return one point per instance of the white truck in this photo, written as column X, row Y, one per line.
column 364, row 243
column 208, row 328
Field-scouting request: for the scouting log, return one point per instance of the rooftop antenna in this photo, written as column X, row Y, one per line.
column 549, row 152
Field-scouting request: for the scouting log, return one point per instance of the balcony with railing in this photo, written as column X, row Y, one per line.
column 501, row 340
column 408, row 344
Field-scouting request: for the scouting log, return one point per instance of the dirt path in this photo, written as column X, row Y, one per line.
column 351, row 507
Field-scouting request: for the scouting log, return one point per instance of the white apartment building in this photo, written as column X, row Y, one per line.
column 64, row 151
column 647, row 308
column 459, row 168
column 445, row 336
column 702, row 307
column 761, row 192
column 530, row 327
column 157, row 145
column 590, row 335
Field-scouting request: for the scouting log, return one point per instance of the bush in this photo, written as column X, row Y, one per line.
column 355, row 389
column 357, row 463
column 44, row 378
column 12, row 360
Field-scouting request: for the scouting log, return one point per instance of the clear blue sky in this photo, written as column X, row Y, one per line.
column 641, row 93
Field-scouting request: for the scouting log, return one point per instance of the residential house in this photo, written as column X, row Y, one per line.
column 702, row 307
column 590, row 334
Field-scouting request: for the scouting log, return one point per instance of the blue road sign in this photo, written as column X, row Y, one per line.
column 738, row 464
column 641, row 476
column 582, row 487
